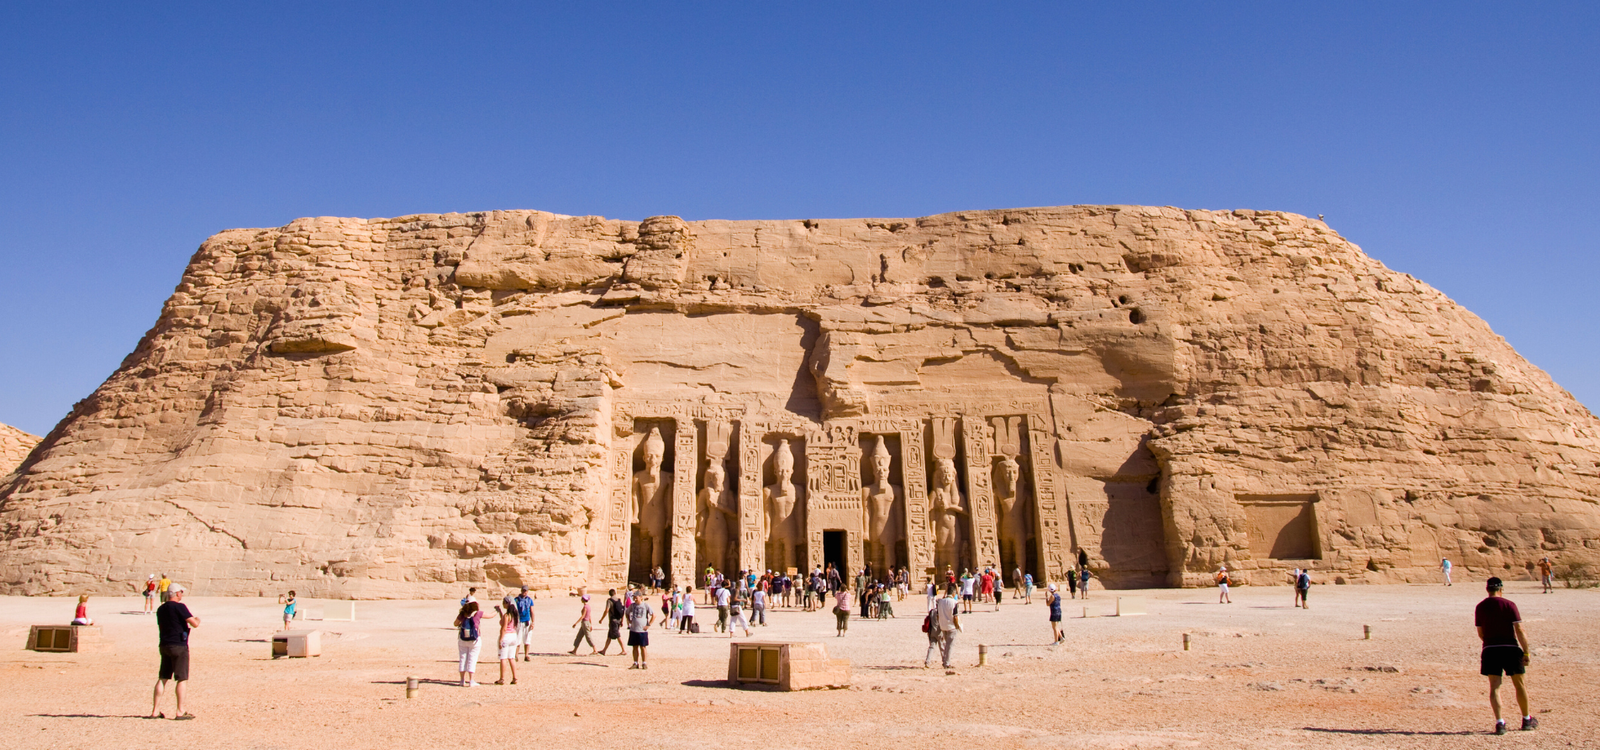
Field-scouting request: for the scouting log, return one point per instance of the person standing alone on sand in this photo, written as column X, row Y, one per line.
column 1444, row 567
column 1505, row 651
column 1222, row 584
column 1544, row 574
column 1052, row 598
column 150, row 594
column 583, row 625
column 174, row 621
column 841, row 611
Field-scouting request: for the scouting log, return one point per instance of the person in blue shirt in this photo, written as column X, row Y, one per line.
column 524, row 604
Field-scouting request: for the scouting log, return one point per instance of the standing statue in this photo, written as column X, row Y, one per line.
column 718, row 518
column 947, row 512
column 782, row 500
column 882, row 501
column 652, row 499
column 1013, row 514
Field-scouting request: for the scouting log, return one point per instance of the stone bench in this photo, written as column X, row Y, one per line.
column 75, row 639
column 788, row 666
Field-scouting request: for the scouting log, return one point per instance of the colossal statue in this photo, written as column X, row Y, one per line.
column 783, row 508
column 948, row 511
column 652, row 493
column 1012, row 510
column 718, row 516
column 882, row 501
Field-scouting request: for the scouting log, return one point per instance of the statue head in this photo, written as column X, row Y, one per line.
column 944, row 472
column 1007, row 476
column 655, row 449
column 715, row 476
column 880, row 462
column 783, row 462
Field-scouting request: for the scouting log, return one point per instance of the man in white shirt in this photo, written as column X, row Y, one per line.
column 724, row 596
column 640, row 618
column 947, row 622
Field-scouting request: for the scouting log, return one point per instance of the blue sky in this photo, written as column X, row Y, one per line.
column 1456, row 142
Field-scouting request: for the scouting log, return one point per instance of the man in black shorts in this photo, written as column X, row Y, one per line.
column 175, row 621
column 1505, row 651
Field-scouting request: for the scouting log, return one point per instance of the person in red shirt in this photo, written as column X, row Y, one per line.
column 1505, row 651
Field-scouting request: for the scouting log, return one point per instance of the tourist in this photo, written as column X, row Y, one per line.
column 999, row 591
column 1083, row 583
column 1016, row 583
column 758, row 607
column 1545, row 574
column 150, row 595
column 524, row 604
column 947, row 620
column 968, row 583
column 986, row 585
column 507, row 612
column 1302, row 587
column 1052, row 598
column 640, row 618
column 288, row 609
column 163, row 588
column 1027, row 588
column 614, row 614
column 737, row 619
column 932, row 592
column 885, row 605
column 669, row 608
column 1222, row 585
column 1444, row 567
column 724, row 596
column 1505, row 651
column 173, row 621
column 686, row 611
column 81, row 615
column 584, row 625
column 472, row 596
column 1072, row 584
column 468, row 641
column 841, row 611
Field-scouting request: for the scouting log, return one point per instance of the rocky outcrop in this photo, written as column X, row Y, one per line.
column 394, row 407
column 14, row 446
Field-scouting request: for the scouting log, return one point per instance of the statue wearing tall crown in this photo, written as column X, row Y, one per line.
column 652, row 499
column 882, row 502
column 783, row 501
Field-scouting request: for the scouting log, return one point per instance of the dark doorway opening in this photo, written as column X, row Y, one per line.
column 639, row 566
column 833, row 551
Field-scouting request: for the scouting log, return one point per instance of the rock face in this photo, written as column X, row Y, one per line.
column 396, row 407
column 14, row 446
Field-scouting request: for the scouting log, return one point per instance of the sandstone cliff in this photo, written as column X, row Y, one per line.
column 14, row 446
column 392, row 407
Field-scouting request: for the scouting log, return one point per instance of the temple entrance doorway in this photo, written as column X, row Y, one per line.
column 834, row 551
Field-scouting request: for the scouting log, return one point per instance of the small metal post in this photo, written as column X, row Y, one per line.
column 411, row 687
column 983, row 654
column 1366, row 632
column 1185, row 641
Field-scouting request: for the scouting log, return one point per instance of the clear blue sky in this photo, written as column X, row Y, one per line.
column 1459, row 142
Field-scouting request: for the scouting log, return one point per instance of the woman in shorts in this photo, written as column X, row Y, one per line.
column 508, row 641
column 288, row 610
column 1053, row 598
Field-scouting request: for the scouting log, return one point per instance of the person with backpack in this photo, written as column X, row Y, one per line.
column 1083, row 583
column 1302, row 586
column 1222, row 584
column 613, row 618
column 946, row 621
column 468, row 642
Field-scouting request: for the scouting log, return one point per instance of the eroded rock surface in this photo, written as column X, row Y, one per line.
column 14, row 446
column 395, row 407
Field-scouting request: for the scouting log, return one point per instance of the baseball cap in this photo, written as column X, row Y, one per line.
column 1494, row 584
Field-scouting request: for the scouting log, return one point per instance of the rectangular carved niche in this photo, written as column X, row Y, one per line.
column 1282, row 527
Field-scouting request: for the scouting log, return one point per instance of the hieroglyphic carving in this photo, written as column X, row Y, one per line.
column 682, row 563
column 1051, row 509
column 752, row 545
column 980, row 494
column 913, row 471
column 833, row 489
column 614, row 560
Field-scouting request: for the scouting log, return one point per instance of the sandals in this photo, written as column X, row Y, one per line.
column 185, row 716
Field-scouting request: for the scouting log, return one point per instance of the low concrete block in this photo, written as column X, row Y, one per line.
column 1130, row 605
column 787, row 666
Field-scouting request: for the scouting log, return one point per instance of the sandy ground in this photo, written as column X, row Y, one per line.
column 1260, row 674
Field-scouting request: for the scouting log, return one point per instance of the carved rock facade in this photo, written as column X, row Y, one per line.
column 396, row 407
